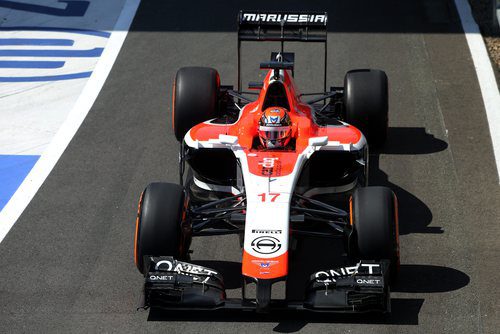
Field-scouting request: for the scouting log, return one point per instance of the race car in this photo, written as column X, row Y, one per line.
column 270, row 165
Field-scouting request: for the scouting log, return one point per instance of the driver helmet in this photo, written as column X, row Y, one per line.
column 275, row 128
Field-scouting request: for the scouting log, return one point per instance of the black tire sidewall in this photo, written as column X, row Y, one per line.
column 196, row 91
column 366, row 103
column 375, row 224
column 159, row 222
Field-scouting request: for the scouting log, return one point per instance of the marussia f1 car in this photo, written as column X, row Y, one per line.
column 232, row 183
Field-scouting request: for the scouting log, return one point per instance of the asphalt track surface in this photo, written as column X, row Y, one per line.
column 66, row 266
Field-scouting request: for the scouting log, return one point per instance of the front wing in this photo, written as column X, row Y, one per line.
column 176, row 285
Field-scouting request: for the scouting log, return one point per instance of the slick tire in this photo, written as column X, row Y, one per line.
column 366, row 103
column 158, row 224
column 195, row 98
column 375, row 223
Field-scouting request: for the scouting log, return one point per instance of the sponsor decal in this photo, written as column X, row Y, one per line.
column 161, row 277
column 268, row 162
column 287, row 18
column 274, row 119
column 330, row 276
column 184, row 268
column 266, row 245
column 49, row 54
column 270, row 166
column 364, row 281
column 256, row 231
column 265, row 265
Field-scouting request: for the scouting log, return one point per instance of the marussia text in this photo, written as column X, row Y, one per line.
column 290, row 18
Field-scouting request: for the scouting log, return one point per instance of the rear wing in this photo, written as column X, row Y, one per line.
column 282, row 27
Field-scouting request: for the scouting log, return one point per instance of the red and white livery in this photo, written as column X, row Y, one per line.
column 273, row 166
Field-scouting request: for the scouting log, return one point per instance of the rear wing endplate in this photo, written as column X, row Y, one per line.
column 282, row 27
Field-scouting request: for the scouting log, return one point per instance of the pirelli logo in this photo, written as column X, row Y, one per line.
column 287, row 18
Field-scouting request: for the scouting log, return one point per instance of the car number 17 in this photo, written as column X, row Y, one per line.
column 272, row 197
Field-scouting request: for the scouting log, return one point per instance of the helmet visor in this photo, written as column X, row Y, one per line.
column 274, row 132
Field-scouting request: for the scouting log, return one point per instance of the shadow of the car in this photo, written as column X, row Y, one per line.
column 405, row 312
column 373, row 17
column 414, row 214
column 230, row 271
column 419, row 278
column 410, row 140
column 413, row 278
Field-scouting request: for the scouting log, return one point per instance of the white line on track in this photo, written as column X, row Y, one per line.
column 33, row 181
column 485, row 75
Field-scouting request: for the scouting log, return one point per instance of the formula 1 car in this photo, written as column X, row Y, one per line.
column 317, row 186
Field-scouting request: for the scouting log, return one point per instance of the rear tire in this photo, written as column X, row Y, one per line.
column 366, row 103
column 375, row 221
column 195, row 98
column 158, row 225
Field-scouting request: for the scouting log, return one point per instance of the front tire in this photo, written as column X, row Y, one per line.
column 158, row 225
column 375, row 222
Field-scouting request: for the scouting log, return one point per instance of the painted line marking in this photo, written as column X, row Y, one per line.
column 485, row 75
column 36, row 41
column 27, row 190
column 56, row 29
column 47, row 77
column 95, row 52
column 30, row 64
